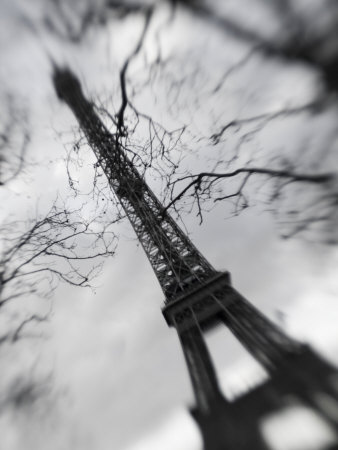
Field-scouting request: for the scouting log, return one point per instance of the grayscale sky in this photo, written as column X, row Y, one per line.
column 113, row 372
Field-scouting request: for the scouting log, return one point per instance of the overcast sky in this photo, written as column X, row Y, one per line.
column 111, row 372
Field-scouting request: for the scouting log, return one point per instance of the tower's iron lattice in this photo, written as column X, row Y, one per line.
column 197, row 296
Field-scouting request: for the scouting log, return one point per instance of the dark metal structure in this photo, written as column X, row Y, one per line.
column 197, row 297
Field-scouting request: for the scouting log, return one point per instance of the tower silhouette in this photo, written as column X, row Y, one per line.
column 198, row 297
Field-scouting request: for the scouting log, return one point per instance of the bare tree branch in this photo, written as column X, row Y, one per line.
column 311, row 107
column 124, row 97
column 14, row 141
column 291, row 177
column 300, row 47
column 50, row 249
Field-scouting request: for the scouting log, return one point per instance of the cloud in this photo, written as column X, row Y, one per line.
column 176, row 432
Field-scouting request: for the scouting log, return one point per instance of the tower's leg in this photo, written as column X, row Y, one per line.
column 229, row 428
column 262, row 338
column 201, row 369
column 294, row 367
column 223, row 426
column 310, row 377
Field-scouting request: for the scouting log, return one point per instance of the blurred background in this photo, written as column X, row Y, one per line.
column 231, row 116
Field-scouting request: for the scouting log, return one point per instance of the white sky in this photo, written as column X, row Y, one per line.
column 117, row 373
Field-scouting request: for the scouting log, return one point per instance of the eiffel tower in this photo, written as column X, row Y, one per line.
column 197, row 297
